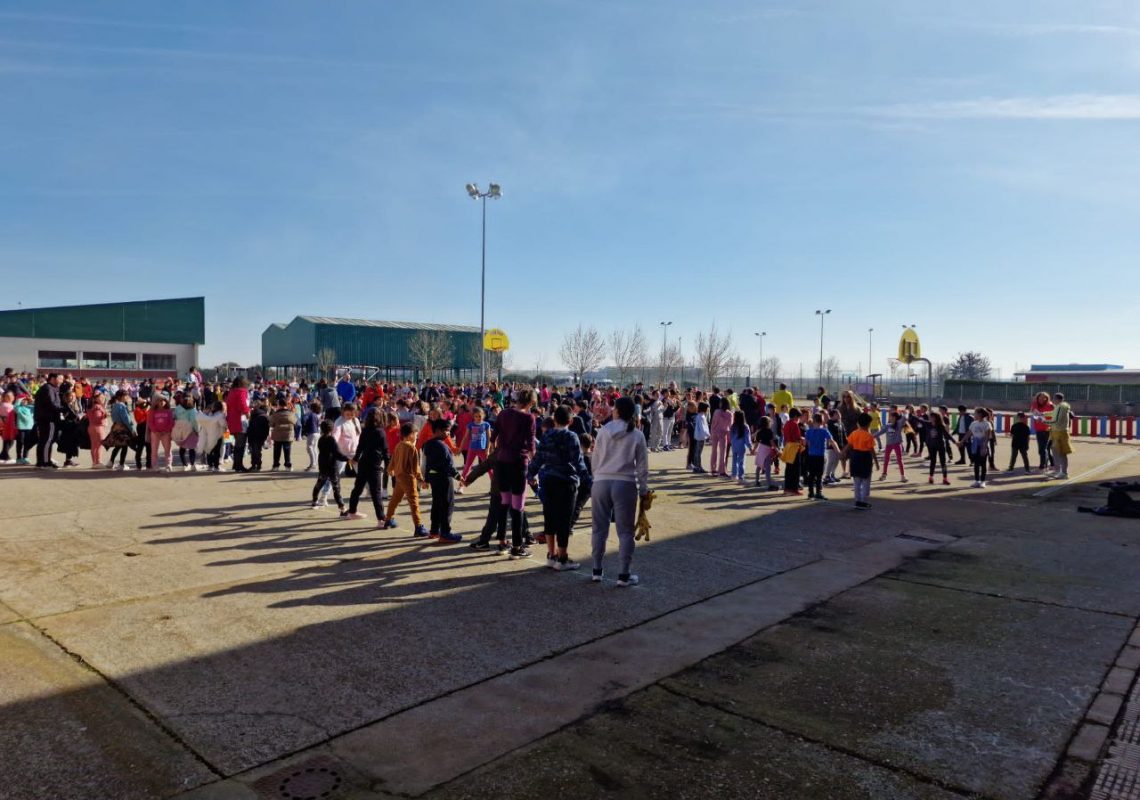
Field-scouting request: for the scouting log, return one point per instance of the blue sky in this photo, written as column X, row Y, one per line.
column 971, row 168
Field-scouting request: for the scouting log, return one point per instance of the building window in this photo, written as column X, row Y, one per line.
column 95, row 360
column 124, row 361
column 157, row 361
column 59, row 359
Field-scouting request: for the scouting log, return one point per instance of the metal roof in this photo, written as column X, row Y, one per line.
column 380, row 323
column 180, row 320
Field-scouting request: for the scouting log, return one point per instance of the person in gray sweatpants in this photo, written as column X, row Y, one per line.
column 616, row 500
column 621, row 476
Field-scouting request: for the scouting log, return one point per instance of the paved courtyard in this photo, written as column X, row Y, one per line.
column 211, row 635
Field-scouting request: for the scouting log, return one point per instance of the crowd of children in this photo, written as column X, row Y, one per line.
column 568, row 447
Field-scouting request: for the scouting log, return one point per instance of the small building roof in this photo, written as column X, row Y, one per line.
column 381, row 323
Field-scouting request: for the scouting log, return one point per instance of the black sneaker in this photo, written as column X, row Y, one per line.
column 519, row 552
column 504, row 547
column 820, row 496
column 529, row 540
column 482, row 547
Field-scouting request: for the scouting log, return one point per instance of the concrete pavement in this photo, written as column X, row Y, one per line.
column 236, row 638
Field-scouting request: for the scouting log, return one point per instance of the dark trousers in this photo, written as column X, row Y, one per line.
column 559, row 500
column 1044, row 449
column 214, row 457
column 442, row 503
column 979, row 460
column 814, row 474
column 187, row 457
column 239, row 452
column 142, row 444
column 494, row 514
column 937, row 454
column 579, row 504
column 697, row 448
column 1019, row 450
column 283, row 448
column 792, row 476
column 367, row 476
column 45, row 439
column 256, row 446
column 121, row 453
column 516, row 518
column 4, row 451
column 23, row 443
column 333, row 479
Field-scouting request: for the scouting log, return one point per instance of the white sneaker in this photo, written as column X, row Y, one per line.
column 185, row 467
column 982, row 485
column 168, row 468
column 632, row 580
column 124, row 467
column 1062, row 476
column 975, row 485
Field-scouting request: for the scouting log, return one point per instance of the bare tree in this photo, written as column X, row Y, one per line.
column 669, row 360
column 629, row 351
column 326, row 361
column 494, row 360
column 430, row 351
column 713, row 352
column 736, row 370
column 540, row 365
column 582, row 351
column 769, row 372
column 830, row 370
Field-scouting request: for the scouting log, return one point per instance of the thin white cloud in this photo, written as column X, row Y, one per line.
column 1052, row 107
column 1059, row 29
column 61, row 19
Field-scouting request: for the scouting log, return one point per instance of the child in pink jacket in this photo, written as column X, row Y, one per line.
column 721, row 424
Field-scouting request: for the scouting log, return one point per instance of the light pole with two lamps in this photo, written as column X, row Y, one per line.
column 494, row 192
column 821, row 314
column 760, row 368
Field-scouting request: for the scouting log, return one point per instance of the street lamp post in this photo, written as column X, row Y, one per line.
column 494, row 191
column 760, row 368
column 664, row 346
column 870, row 347
column 821, row 314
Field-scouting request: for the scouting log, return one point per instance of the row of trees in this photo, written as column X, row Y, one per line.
column 584, row 350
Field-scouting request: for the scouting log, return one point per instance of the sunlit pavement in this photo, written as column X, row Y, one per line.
column 173, row 631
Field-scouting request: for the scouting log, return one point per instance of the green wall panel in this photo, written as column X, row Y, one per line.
column 180, row 321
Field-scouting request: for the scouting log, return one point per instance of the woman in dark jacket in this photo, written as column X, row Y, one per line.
column 371, row 456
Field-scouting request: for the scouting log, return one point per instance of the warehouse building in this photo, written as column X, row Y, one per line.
column 150, row 338
column 390, row 350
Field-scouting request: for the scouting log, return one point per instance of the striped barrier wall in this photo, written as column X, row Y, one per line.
column 1100, row 427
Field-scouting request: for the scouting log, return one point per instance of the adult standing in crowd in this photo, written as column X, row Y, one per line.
column 48, row 414
column 1041, row 415
column 621, row 475
column 237, row 416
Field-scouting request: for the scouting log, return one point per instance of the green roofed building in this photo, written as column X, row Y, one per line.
column 392, row 349
column 148, row 338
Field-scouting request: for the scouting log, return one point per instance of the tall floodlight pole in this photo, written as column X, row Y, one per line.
column 760, row 369
column 870, row 348
column 821, row 315
column 664, row 346
column 494, row 191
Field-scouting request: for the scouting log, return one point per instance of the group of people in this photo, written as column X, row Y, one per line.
column 570, row 447
column 812, row 441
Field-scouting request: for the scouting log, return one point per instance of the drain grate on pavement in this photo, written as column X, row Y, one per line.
column 1118, row 776
column 315, row 779
column 1116, row 783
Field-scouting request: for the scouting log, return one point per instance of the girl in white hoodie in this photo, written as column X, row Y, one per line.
column 621, row 476
column 211, row 431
